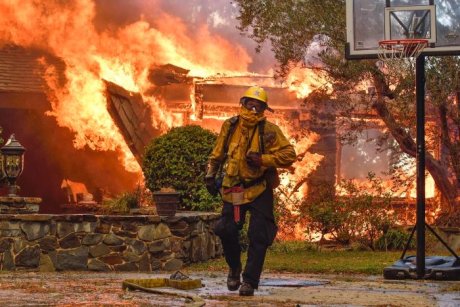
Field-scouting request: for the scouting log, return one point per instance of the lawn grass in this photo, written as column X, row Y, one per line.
column 301, row 258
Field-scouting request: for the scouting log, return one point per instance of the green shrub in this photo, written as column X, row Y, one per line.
column 178, row 160
column 122, row 203
column 359, row 217
column 394, row 239
column 326, row 214
column 327, row 217
column 284, row 214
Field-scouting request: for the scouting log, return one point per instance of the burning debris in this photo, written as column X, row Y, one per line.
column 168, row 74
column 133, row 117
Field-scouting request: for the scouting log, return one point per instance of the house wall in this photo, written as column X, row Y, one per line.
column 50, row 157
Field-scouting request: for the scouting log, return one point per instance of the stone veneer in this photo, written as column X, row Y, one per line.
column 106, row 242
column 18, row 204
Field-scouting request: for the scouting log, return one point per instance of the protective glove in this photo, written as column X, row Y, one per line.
column 210, row 177
column 211, row 185
column 254, row 159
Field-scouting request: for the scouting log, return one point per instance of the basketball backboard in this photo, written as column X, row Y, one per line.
column 371, row 21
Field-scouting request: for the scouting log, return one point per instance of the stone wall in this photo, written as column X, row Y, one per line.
column 106, row 243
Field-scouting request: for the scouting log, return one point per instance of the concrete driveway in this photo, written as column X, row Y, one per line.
column 104, row 289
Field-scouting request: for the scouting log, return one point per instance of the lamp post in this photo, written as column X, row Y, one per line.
column 12, row 163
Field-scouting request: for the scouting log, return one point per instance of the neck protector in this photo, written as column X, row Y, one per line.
column 250, row 118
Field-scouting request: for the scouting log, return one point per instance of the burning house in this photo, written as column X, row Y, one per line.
column 86, row 102
column 209, row 101
column 53, row 164
column 70, row 170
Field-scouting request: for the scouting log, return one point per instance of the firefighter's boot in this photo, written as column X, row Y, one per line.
column 233, row 279
column 246, row 289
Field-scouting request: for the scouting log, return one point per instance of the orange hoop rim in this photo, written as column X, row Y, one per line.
column 390, row 43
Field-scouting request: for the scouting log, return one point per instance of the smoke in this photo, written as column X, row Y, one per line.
column 219, row 16
column 119, row 41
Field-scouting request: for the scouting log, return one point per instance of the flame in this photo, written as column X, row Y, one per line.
column 303, row 81
column 123, row 56
column 92, row 123
column 293, row 188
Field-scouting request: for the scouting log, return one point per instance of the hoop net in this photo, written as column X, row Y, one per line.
column 395, row 51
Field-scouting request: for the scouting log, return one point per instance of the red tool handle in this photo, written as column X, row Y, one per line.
column 236, row 213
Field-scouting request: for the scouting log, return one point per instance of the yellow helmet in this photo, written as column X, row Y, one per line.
column 258, row 93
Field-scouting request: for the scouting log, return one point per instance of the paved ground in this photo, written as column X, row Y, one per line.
column 104, row 289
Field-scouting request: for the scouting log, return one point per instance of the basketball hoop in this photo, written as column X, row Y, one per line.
column 396, row 50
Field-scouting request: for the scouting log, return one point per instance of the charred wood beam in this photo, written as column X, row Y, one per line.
column 132, row 116
column 168, row 74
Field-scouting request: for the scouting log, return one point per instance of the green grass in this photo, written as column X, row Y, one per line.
column 301, row 258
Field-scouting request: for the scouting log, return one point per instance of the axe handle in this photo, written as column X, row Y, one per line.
column 236, row 213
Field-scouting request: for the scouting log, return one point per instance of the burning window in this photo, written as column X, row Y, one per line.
column 357, row 160
column 373, row 153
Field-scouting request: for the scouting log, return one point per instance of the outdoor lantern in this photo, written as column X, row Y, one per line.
column 12, row 163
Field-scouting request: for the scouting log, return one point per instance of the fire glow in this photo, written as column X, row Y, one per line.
column 122, row 56
column 303, row 81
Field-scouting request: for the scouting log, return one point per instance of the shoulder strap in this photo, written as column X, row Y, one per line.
column 233, row 122
column 261, row 136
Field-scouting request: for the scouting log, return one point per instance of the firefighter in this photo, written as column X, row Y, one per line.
column 242, row 168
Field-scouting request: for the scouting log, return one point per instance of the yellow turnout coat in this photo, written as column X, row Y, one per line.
column 279, row 152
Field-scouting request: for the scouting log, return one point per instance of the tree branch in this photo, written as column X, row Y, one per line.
column 407, row 145
column 445, row 139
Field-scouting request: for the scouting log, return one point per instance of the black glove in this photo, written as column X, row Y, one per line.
column 211, row 185
column 254, row 159
column 210, row 177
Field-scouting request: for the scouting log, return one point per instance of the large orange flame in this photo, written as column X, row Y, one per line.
column 122, row 56
column 302, row 81
column 293, row 188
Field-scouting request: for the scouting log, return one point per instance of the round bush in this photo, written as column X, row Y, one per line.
column 178, row 159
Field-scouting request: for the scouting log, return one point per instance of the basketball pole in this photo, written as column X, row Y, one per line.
column 420, row 163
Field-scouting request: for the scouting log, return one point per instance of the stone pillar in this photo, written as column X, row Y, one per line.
column 18, row 205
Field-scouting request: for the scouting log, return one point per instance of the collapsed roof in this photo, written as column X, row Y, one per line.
column 132, row 116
